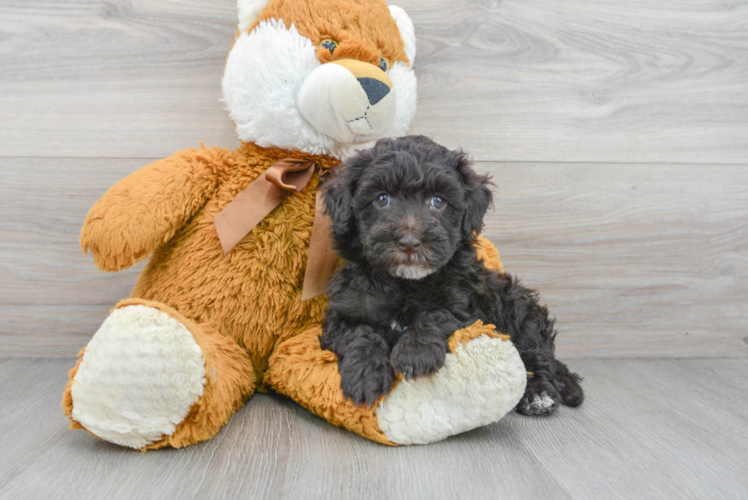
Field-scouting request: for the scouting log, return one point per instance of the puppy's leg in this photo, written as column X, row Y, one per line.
column 422, row 349
column 532, row 331
column 363, row 362
column 541, row 396
column 567, row 384
column 549, row 386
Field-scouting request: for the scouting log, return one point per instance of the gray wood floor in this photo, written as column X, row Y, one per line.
column 649, row 429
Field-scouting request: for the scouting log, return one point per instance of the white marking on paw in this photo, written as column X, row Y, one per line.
column 539, row 404
column 397, row 327
column 140, row 375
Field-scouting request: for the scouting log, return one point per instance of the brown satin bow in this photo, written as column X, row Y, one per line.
column 253, row 204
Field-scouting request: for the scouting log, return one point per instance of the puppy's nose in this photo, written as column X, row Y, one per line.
column 375, row 89
column 409, row 244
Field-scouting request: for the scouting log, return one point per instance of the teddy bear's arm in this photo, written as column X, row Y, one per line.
column 146, row 208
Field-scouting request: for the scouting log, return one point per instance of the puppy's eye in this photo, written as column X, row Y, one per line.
column 383, row 64
column 330, row 45
column 382, row 200
column 438, row 203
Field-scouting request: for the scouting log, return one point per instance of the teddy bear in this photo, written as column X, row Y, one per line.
column 230, row 300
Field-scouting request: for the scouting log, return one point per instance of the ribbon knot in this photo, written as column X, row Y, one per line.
column 260, row 198
column 290, row 174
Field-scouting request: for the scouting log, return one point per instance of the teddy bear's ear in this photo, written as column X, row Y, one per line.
column 248, row 11
column 407, row 31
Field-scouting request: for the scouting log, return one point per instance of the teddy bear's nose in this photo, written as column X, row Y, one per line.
column 373, row 80
column 375, row 89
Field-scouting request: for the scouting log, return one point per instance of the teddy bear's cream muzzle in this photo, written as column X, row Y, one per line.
column 350, row 101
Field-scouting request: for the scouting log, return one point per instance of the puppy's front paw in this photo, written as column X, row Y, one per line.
column 540, row 398
column 365, row 380
column 416, row 355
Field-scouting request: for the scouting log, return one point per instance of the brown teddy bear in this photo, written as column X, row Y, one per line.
column 228, row 303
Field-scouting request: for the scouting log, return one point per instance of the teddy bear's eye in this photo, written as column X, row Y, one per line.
column 438, row 202
column 383, row 64
column 382, row 200
column 329, row 44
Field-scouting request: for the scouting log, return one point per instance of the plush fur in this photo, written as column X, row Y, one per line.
column 244, row 309
column 405, row 215
column 272, row 60
column 482, row 380
column 248, row 11
column 169, row 366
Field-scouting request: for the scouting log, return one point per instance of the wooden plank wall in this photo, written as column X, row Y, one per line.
column 616, row 131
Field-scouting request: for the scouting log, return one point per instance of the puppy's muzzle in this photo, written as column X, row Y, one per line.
column 409, row 244
column 408, row 260
column 348, row 100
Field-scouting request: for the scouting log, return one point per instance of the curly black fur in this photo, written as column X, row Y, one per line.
column 404, row 216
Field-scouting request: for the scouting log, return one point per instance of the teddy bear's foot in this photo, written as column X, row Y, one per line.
column 482, row 380
column 148, row 379
column 139, row 377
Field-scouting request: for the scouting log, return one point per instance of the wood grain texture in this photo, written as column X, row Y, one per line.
column 113, row 79
column 523, row 80
column 634, row 260
column 649, row 429
column 623, row 81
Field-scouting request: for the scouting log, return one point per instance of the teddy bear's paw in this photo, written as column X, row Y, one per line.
column 479, row 383
column 139, row 376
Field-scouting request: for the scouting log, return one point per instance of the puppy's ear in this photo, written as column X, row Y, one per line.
column 339, row 190
column 478, row 197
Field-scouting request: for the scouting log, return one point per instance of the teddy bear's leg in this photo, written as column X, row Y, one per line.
column 482, row 379
column 151, row 377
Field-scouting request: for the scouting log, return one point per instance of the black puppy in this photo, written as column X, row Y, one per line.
column 404, row 216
